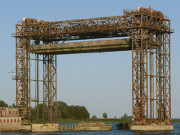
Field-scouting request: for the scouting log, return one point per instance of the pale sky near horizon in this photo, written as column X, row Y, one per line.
column 99, row 81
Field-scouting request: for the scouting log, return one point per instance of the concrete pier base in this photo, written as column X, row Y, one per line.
column 152, row 127
column 41, row 128
column 26, row 128
column 93, row 126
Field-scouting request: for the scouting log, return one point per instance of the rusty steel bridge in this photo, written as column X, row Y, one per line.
column 148, row 37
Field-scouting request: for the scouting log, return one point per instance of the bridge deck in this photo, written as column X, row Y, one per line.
column 83, row 47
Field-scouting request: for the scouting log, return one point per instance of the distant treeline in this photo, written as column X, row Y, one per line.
column 64, row 111
column 71, row 114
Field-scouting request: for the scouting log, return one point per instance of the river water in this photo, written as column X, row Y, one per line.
column 114, row 131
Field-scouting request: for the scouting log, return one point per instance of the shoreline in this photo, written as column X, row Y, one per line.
column 65, row 121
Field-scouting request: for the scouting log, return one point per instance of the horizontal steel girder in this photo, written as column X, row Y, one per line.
column 83, row 47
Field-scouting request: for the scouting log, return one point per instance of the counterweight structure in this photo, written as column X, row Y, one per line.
column 149, row 32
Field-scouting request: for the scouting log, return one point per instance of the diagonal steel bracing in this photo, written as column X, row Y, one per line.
column 23, row 83
column 49, row 87
column 163, row 77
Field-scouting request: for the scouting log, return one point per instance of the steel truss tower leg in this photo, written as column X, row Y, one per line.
column 140, row 47
column 23, row 83
column 143, row 50
column 49, row 87
column 163, row 79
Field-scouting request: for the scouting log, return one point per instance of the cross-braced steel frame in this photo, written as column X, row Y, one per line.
column 149, row 31
column 23, row 82
column 163, row 77
column 49, row 87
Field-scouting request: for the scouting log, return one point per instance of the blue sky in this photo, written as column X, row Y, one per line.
column 99, row 81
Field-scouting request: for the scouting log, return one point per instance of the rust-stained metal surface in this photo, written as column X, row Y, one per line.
column 149, row 31
column 83, row 47
column 114, row 26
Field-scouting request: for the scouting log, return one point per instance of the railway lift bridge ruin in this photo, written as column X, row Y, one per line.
column 148, row 37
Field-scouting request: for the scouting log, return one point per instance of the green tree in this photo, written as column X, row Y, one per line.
column 94, row 117
column 13, row 105
column 125, row 116
column 77, row 112
column 3, row 104
column 105, row 115
column 34, row 111
column 40, row 111
column 62, row 110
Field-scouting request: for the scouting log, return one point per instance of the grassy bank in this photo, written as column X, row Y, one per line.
column 173, row 121
column 95, row 120
column 102, row 120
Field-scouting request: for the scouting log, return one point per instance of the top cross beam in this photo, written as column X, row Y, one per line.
column 103, row 27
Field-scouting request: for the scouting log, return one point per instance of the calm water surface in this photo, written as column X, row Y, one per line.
column 114, row 131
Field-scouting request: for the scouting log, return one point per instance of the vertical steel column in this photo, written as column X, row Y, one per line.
column 49, row 87
column 27, row 108
column 157, row 75
column 37, row 85
column 159, row 80
column 151, row 67
column 23, row 80
column 55, row 91
column 45, row 87
column 146, row 73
